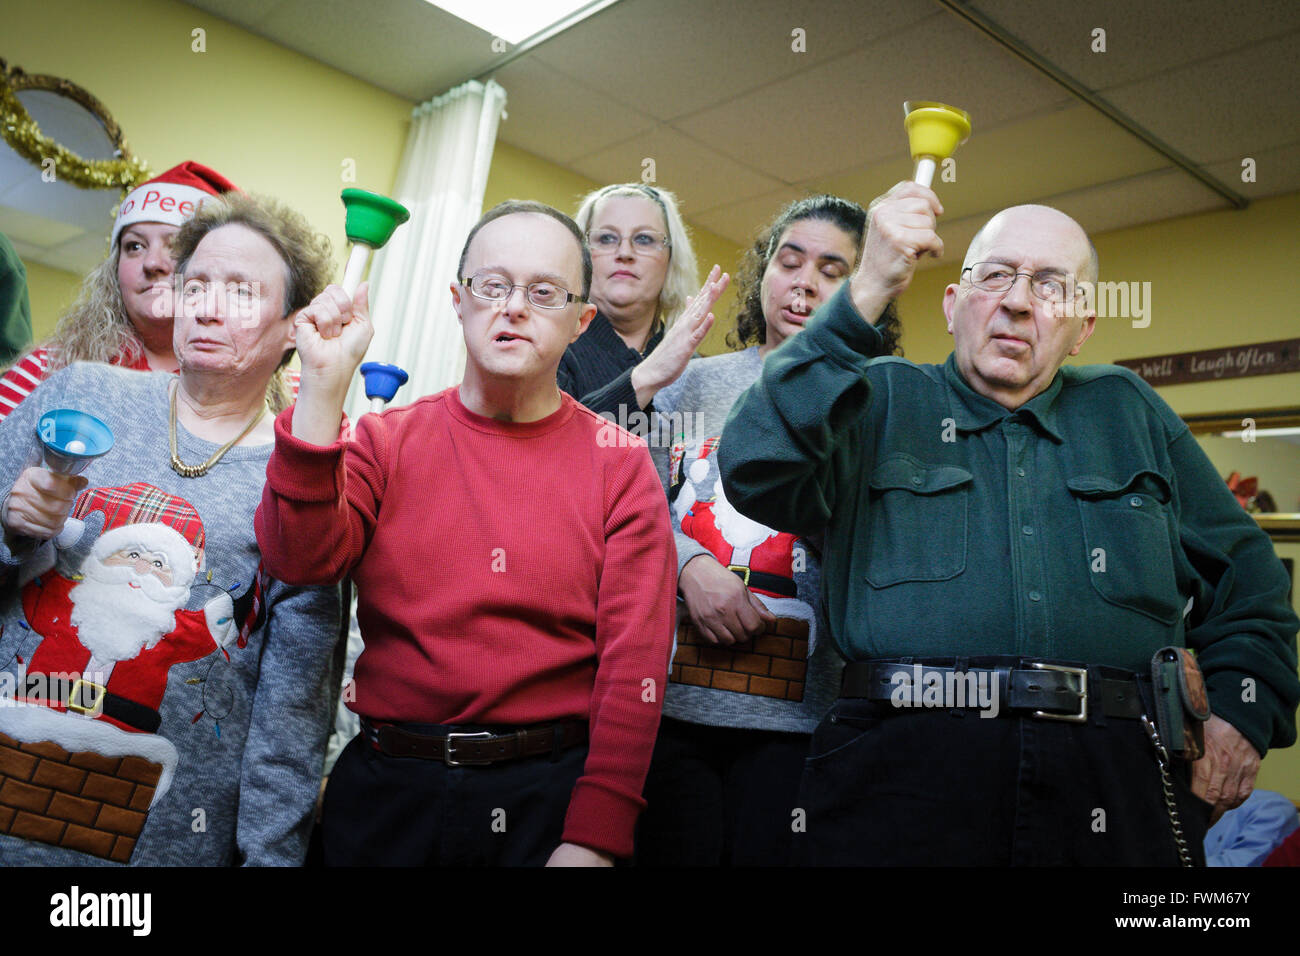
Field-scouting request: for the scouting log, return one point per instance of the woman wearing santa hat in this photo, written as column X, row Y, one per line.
column 124, row 314
column 162, row 701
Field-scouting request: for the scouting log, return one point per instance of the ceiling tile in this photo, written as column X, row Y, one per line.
column 35, row 230
column 1229, row 106
column 852, row 108
column 408, row 47
column 1151, row 197
column 673, row 57
column 1277, row 171
column 562, row 136
column 701, row 178
column 1142, row 39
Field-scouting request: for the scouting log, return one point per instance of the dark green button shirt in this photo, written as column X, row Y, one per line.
column 1087, row 525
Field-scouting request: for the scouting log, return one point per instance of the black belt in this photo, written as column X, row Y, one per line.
column 83, row 696
column 461, row 748
column 764, row 581
column 1044, row 689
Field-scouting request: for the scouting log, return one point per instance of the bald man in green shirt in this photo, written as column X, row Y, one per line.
column 1011, row 539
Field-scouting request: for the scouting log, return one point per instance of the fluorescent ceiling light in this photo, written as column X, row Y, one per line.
column 516, row 20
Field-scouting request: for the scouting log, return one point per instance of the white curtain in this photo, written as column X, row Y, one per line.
column 441, row 181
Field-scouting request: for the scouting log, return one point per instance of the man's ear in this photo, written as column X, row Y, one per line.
column 950, row 300
column 584, row 319
column 1085, row 333
column 457, row 290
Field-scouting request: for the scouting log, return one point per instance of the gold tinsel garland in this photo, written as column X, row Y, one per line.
column 22, row 133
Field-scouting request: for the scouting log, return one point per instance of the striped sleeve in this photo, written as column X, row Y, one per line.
column 21, row 380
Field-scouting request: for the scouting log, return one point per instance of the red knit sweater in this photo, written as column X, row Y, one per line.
column 507, row 574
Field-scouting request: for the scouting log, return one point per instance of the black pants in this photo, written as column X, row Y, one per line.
column 408, row 811
column 929, row 788
column 720, row 796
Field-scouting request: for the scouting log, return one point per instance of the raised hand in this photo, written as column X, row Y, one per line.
column 666, row 363
column 900, row 230
column 331, row 334
column 39, row 503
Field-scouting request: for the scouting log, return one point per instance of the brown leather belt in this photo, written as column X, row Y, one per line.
column 458, row 748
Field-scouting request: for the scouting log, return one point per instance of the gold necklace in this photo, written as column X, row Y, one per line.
column 196, row 471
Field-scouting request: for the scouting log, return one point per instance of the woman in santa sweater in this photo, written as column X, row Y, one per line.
column 162, row 701
column 751, row 675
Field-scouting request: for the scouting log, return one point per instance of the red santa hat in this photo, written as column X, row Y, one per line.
column 172, row 197
column 142, row 514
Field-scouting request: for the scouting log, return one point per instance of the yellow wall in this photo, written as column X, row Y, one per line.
column 271, row 120
column 51, row 291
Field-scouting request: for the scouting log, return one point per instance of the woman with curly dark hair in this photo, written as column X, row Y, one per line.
column 751, row 322
column 750, row 679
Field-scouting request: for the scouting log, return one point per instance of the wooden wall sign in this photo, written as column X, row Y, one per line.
column 1212, row 365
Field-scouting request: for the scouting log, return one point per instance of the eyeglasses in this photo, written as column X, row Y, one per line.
column 644, row 243
column 544, row 295
column 1000, row 277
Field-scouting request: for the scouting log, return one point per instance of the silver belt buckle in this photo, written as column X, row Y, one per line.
column 452, row 762
column 1082, row 672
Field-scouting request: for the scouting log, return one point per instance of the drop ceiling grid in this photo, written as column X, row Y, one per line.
column 563, row 136
column 1142, row 39
column 671, row 58
column 1240, row 102
column 1276, row 171
column 701, row 177
column 407, row 47
column 856, row 102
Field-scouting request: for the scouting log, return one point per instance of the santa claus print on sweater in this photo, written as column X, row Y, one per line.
column 762, row 557
column 109, row 632
column 770, row 563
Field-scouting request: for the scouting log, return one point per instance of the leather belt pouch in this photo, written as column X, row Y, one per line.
column 1182, row 706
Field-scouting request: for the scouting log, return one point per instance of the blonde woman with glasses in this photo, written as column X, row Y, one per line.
column 648, row 324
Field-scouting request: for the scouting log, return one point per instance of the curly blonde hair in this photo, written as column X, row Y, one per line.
column 96, row 327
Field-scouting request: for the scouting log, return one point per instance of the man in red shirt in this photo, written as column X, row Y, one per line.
column 515, row 569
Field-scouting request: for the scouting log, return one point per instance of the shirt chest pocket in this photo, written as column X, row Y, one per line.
column 918, row 521
column 1127, row 533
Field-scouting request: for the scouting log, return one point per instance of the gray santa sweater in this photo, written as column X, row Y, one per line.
column 689, row 415
column 204, row 745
